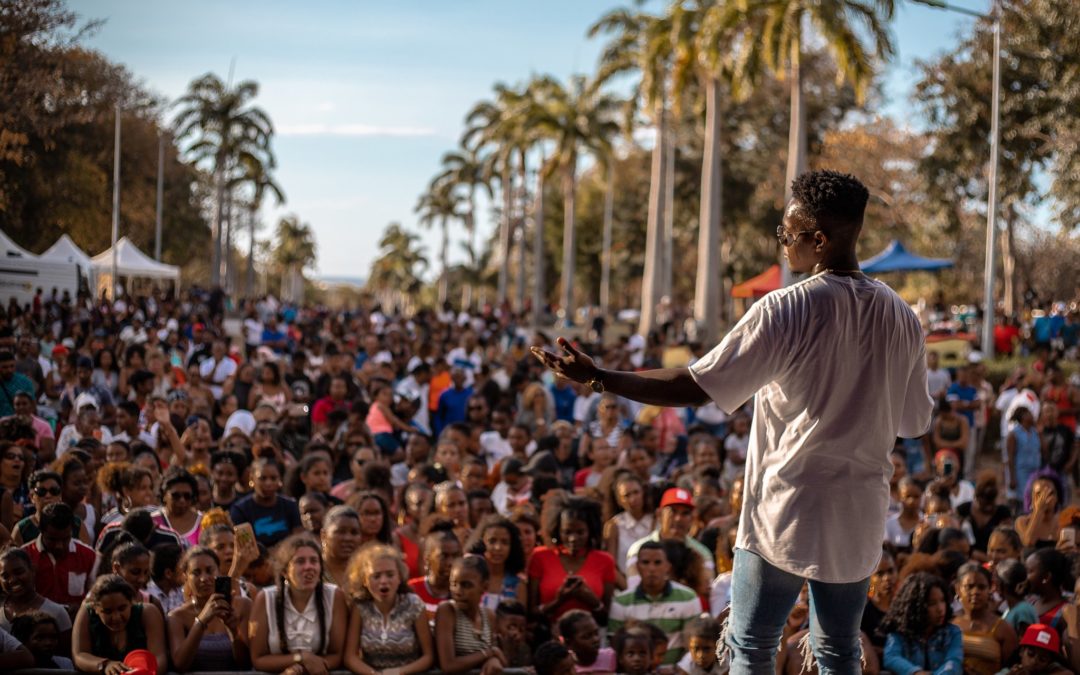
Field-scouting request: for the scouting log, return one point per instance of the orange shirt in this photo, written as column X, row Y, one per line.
column 439, row 383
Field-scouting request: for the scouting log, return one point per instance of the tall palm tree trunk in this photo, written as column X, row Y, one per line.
column 226, row 248
column 504, row 232
column 708, row 294
column 569, row 241
column 523, row 209
column 444, row 250
column 249, row 282
column 219, row 213
column 1008, row 265
column 796, row 162
column 470, row 227
column 605, row 246
column 539, row 292
column 650, row 283
column 668, row 240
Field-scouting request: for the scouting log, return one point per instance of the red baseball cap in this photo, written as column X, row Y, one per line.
column 1041, row 636
column 677, row 497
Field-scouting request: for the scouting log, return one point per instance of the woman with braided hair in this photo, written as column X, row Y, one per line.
column 298, row 626
column 921, row 637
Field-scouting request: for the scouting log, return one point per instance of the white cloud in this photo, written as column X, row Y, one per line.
column 319, row 129
column 326, row 106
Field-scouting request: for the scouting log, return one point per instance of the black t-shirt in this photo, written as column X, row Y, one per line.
column 871, row 619
column 1059, row 446
column 270, row 523
column 982, row 534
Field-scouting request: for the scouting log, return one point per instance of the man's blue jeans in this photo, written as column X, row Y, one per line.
column 762, row 596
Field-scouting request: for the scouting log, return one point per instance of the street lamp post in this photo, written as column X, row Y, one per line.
column 115, row 202
column 992, row 199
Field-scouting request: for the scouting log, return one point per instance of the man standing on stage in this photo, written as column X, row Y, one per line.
column 838, row 366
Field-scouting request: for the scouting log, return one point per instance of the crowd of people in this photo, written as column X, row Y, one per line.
column 307, row 490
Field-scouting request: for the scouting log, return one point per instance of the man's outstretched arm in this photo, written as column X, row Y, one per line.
column 663, row 386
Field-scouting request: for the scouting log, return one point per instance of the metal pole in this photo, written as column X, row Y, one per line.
column 992, row 201
column 160, row 194
column 115, row 202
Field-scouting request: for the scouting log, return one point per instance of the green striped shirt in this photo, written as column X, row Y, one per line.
column 669, row 611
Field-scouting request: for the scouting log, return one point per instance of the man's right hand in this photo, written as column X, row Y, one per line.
column 574, row 366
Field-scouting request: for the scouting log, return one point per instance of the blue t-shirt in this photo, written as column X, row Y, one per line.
column 273, row 337
column 270, row 523
column 564, row 402
column 963, row 392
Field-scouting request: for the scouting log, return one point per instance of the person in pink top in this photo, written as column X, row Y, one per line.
column 44, row 438
column 581, row 636
column 382, row 422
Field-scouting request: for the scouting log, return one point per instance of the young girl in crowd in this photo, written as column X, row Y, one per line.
column 701, row 636
column 209, row 631
column 511, row 630
column 441, row 550
column 900, row 527
column 633, row 651
column 387, row 626
column 111, row 623
column 989, row 641
column 633, row 521
column 298, row 626
column 272, row 515
column 40, row 633
column 416, row 503
column 1010, row 582
column 313, row 474
column 600, row 455
column 1048, row 577
column 919, row 629
column 226, row 467
column 341, row 536
column 313, row 507
column 497, row 540
column 464, row 629
column 879, row 600
column 528, row 526
column 376, row 525
column 20, row 594
column 451, row 503
column 1004, row 544
column 581, row 635
column 131, row 560
column 553, row 658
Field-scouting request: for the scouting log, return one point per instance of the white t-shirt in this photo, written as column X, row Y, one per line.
column 216, row 372
column 470, row 363
column 938, row 381
column 494, row 448
column 839, row 368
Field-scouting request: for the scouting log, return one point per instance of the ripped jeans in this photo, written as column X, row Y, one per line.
column 762, row 596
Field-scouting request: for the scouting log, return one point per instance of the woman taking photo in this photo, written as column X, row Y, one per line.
column 388, row 630
column 341, row 536
column 298, row 626
column 989, row 642
column 573, row 572
column 497, row 540
column 110, row 624
column 209, row 631
column 178, row 490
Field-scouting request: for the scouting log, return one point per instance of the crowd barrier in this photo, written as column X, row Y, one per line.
column 44, row 671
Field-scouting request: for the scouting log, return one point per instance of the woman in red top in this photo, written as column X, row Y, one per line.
column 573, row 572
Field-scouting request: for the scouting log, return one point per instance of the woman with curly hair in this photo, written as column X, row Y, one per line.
column 388, row 628
column 498, row 541
column 298, row 625
column 920, row 635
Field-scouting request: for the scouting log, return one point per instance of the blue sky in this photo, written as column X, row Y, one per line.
column 367, row 96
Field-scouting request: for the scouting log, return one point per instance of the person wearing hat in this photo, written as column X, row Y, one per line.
column 84, row 373
column 676, row 516
column 1040, row 651
column 816, row 494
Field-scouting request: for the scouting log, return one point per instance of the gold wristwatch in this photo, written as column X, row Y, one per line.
column 595, row 384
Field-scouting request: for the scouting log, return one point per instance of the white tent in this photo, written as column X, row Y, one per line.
column 66, row 250
column 131, row 262
column 9, row 249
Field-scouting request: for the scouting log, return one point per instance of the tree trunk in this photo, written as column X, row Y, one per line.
column 650, row 283
column 605, row 246
column 796, row 161
column 226, row 249
column 708, row 298
column 249, row 285
column 470, row 226
column 569, row 241
column 1008, row 266
column 668, row 240
column 444, row 280
column 504, row 232
column 523, row 208
column 539, row 292
column 219, row 212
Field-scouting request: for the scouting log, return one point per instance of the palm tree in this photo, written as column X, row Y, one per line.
column 438, row 205
column 397, row 272
column 641, row 42
column 227, row 131
column 576, row 117
column 258, row 178
column 841, row 24
column 295, row 251
column 467, row 169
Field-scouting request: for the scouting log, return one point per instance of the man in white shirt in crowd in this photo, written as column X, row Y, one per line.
column 217, row 369
column 938, row 379
column 816, row 493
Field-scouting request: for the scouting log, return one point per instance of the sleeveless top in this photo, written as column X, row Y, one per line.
column 466, row 638
column 982, row 652
column 101, row 642
column 301, row 627
column 29, row 530
column 390, row 642
column 377, row 422
column 214, row 653
column 1055, row 618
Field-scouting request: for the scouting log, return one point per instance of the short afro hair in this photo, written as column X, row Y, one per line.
column 831, row 197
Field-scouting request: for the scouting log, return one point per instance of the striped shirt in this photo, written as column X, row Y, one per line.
column 669, row 611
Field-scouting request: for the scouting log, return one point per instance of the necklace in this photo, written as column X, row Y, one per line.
column 829, row 270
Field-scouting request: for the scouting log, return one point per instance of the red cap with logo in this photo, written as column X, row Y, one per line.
column 677, row 497
column 1041, row 636
column 141, row 662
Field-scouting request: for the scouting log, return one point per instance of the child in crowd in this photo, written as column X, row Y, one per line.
column 441, row 549
column 510, row 629
column 259, row 572
column 1004, row 544
column 919, row 629
column 580, row 633
column 166, row 580
column 736, row 445
column 1010, row 582
column 464, row 628
column 633, row 650
column 1040, row 652
column 514, row 489
column 701, row 636
column 39, row 632
column 553, row 658
column 601, row 455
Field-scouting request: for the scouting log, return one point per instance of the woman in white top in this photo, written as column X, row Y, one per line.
column 633, row 521
column 298, row 626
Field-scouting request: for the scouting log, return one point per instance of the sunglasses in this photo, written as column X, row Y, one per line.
column 42, row 491
column 177, row 496
column 14, row 457
column 788, row 238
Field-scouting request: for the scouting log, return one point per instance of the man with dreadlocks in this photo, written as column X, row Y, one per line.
column 836, row 365
column 298, row 626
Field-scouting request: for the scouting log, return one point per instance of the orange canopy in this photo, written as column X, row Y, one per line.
column 766, row 282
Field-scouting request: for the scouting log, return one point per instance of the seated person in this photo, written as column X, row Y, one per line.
column 111, row 623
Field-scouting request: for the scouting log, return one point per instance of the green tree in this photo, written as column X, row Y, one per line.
column 396, row 274
column 294, row 252
column 257, row 178
column 467, row 171
column 440, row 204
column 226, row 131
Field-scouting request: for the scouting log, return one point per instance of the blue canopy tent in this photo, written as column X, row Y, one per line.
column 896, row 258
